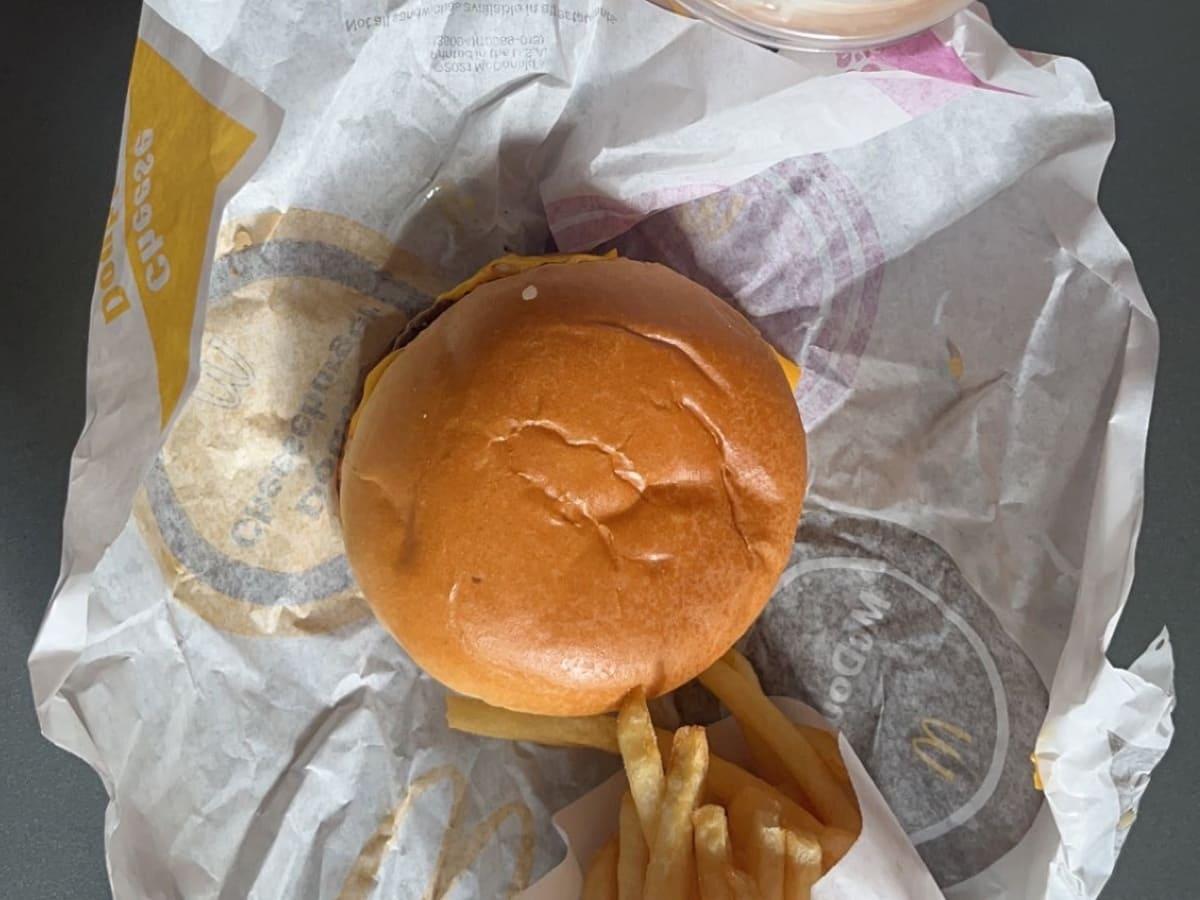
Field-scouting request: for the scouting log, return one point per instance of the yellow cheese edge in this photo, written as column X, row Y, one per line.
column 511, row 264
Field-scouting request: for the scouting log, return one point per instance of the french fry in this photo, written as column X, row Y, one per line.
column 758, row 840
column 833, row 804
column 714, row 863
column 600, row 732
column 634, row 854
column 769, row 861
column 725, row 779
column 750, row 811
column 802, row 865
column 600, row 882
column 767, row 764
column 671, row 872
column 791, row 790
column 643, row 761
column 826, row 745
column 743, row 886
column 834, row 842
column 477, row 717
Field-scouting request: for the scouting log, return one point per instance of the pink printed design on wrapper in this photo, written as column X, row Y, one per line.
column 917, row 96
column 796, row 250
column 856, row 61
column 583, row 221
column 921, row 54
column 925, row 54
column 946, row 76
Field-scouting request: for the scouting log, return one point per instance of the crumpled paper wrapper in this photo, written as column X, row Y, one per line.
column 916, row 226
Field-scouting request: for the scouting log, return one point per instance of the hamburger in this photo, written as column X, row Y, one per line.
column 581, row 476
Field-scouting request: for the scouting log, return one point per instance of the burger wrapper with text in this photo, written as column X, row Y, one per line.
column 915, row 227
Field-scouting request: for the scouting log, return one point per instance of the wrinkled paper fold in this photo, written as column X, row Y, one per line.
column 916, row 226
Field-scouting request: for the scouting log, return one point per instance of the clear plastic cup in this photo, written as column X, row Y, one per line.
column 823, row 24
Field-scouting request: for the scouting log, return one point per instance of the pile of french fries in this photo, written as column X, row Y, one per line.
column 701, row 826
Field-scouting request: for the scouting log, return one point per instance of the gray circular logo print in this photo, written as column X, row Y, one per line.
column 240, row 503
column 875, row 626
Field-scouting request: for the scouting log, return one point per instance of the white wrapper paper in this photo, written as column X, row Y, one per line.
column 916, row 226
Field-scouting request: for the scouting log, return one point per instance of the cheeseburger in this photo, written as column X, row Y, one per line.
column 582, row 476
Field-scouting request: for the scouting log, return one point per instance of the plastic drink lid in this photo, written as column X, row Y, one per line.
column 823, row 24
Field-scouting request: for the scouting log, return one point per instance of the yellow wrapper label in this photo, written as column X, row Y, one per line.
column 178, row 148
column 182, row 156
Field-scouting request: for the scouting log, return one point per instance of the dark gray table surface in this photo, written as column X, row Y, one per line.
column 62, row 82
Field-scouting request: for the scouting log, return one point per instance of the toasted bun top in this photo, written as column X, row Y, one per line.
column 578, row 479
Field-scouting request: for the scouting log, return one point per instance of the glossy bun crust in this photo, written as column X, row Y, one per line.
column 579, row 479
